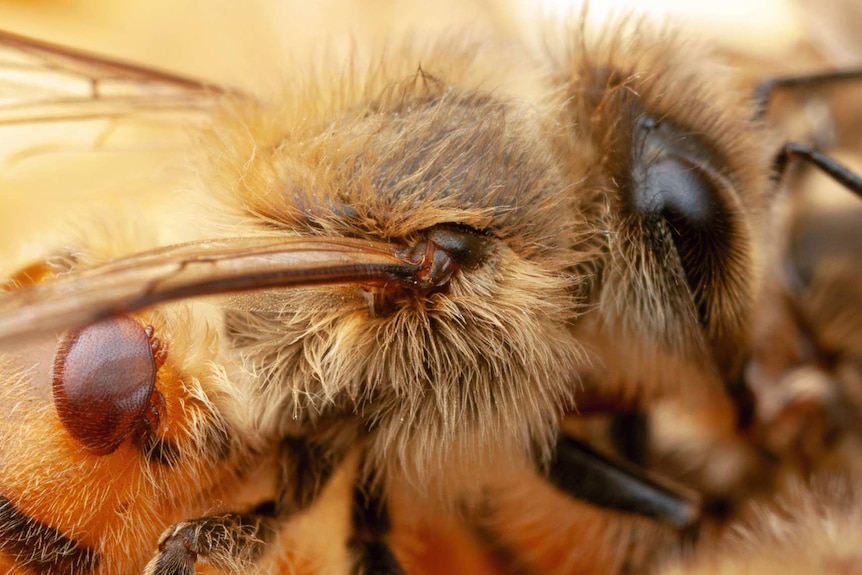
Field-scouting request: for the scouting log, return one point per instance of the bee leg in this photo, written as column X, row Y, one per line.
column 371, row 525
column 233, row 542
column 764, row 90
column 588, row 476
column 628, row 434
column 834, row 169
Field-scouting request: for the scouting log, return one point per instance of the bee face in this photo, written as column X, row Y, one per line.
column 417, row 157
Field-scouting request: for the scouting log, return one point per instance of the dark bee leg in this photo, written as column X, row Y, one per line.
column 767, row 87
column 305, row 466
column 235, row 541
column 629, row 435
column 231, row 542
column 371, row 526
column 584, row 474
column 834, row 169
column 791, row 150
column 578, row 471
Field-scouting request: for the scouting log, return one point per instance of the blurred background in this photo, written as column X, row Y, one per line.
column 219, row 39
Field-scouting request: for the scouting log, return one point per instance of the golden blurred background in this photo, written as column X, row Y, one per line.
column 219, row 39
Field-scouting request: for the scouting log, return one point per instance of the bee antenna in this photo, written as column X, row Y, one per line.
column 831, row 167
column 764, row 90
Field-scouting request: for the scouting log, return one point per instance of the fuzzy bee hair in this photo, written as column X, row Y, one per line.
column 598, row 206
column 805, row 530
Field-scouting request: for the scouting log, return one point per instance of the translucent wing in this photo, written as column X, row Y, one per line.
column 43, row 82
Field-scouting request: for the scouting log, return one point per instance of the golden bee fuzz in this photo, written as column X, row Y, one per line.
column 352, row 311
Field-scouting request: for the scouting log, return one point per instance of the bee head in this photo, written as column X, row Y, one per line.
column 460, row 176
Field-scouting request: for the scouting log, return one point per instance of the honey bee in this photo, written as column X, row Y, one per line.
column 404, row 268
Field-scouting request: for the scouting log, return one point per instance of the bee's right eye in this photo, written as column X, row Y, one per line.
column 104, row 383
column 674, row 181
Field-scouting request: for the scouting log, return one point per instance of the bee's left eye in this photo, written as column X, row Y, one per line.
column 104, row 383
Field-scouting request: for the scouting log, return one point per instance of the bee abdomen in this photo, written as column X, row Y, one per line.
column 41, row 548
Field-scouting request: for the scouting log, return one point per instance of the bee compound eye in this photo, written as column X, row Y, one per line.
column 673, row 178
column 674, row 181
column 104, row 380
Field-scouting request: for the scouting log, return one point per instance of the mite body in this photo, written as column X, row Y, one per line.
column 428, row 259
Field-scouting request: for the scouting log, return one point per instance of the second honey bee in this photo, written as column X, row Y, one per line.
column 422, row 260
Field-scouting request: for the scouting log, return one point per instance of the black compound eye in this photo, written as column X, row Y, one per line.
column 104, row 378
column 673, row 180
column 677, row 190
column 672, row 176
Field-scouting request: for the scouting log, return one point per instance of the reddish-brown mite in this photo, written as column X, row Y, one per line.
column 104, row 383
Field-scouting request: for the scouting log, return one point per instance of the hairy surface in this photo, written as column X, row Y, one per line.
column 563, row 163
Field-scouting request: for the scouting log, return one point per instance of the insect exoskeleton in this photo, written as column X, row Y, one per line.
column 442, row 152
column 669, row 163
